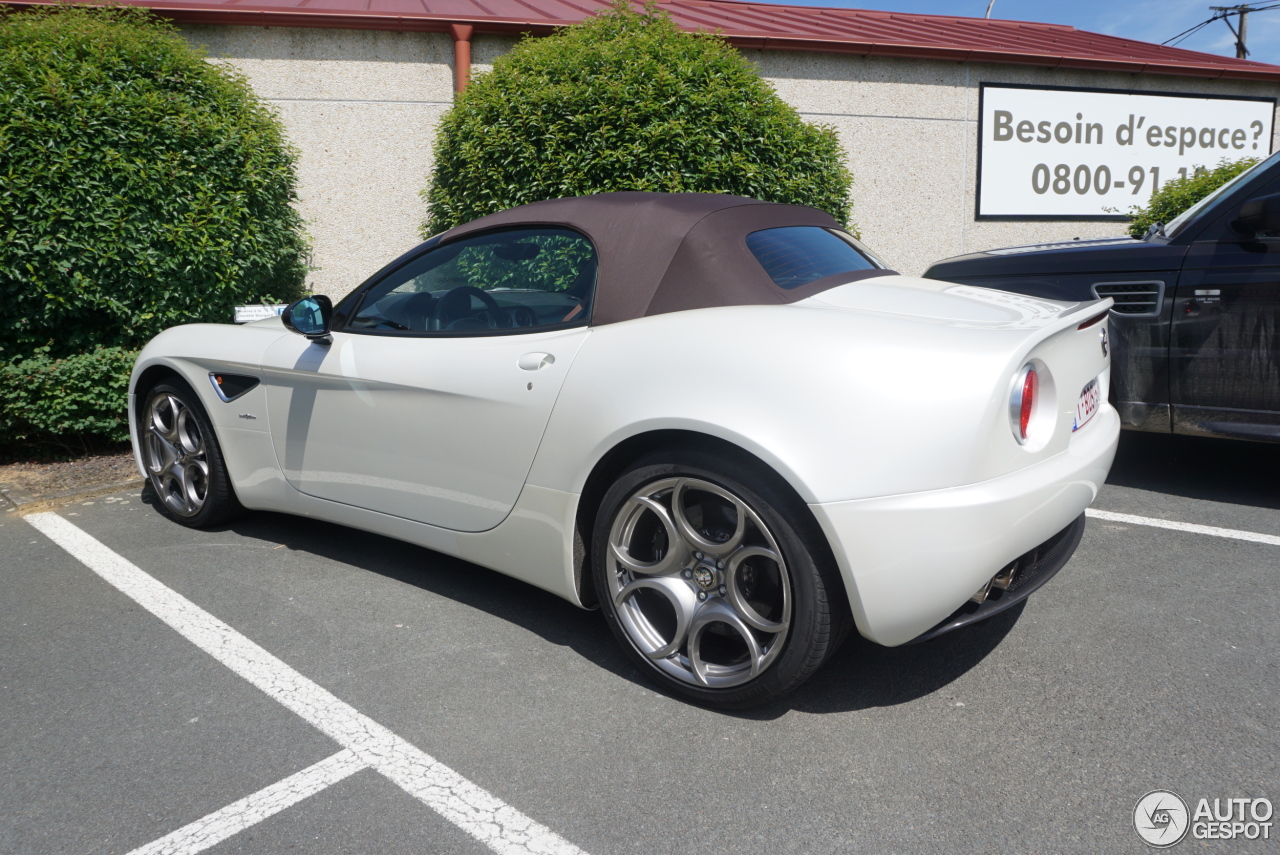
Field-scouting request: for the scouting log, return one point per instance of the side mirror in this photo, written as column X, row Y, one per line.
column 310, row 317
column 1258, row 216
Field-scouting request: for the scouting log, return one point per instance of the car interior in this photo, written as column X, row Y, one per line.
column 513, row 280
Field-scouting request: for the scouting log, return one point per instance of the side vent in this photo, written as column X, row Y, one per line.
column 1134, row 299
column 231, row 386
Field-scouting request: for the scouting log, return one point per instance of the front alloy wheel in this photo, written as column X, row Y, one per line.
column 175, row 454
column 182, row 458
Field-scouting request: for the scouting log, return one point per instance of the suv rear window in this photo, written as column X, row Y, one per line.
column 797, row 255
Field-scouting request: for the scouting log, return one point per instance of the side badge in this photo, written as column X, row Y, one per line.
column 1102, row 338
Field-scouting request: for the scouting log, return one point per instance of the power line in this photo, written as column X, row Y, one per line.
column 1185, row 34
column 1224, row 14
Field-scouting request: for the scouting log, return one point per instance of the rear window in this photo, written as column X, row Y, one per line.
column 797, row 255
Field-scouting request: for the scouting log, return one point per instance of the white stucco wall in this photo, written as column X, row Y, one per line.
column 362, row 106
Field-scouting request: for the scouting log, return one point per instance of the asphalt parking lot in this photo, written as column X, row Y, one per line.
column 1151, row 662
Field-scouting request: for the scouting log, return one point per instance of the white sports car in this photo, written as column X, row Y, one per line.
column 721, row 420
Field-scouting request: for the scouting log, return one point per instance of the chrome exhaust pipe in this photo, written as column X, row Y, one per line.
column 1004, row 578
column 1001, row 582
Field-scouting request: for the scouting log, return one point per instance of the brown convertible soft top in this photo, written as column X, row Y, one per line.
column 667, row 252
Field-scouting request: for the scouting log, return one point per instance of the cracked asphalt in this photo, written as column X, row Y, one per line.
column 1151, row 662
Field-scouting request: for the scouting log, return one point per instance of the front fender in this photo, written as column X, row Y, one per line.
column 193, row 352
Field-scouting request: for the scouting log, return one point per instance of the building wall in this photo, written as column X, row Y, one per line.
column 362, row 107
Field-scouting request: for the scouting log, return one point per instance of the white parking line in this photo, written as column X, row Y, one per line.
column 1212, row 531
column 476, row 811
column 250, row 810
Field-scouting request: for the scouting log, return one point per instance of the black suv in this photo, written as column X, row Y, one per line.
column 1196, row 322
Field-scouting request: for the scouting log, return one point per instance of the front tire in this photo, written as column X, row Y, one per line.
column 183, row 459
column 709, row 576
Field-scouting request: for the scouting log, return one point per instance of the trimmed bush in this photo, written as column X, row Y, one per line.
column 627, row 101
column 140, row 186
column 74, row 404
column 1178, row 195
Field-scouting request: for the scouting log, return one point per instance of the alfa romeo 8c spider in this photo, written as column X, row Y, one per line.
column 723, row 422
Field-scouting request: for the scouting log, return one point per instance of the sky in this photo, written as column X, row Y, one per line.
column 1146, row 20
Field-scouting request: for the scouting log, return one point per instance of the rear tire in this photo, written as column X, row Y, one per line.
column 713, row 576
column 183, row 459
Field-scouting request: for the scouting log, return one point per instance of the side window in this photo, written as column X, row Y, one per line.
column 797, row 255
column 518, row 280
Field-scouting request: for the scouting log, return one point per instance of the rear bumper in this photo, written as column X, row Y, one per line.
column 909, row 562
column 1030, row 574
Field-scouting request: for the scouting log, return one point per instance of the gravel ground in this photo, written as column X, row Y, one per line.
column 37, row 480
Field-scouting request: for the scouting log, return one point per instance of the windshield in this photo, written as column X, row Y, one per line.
column 1179, row 222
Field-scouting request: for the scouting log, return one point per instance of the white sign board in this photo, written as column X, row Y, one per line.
column 1053, row 153
column 249, row 314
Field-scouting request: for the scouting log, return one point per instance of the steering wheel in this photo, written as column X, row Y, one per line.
column 455, row 306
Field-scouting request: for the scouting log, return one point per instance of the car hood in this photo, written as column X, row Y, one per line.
column 931, row 301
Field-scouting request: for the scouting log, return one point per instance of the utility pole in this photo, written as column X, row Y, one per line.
column 1242, row 11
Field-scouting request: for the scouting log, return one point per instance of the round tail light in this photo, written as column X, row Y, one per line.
column 1022, row 403
column 1030, row 385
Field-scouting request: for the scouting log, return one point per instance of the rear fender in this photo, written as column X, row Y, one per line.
column 843, row 405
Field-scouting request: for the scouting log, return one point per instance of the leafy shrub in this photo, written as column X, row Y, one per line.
column 627, row 101
column 553, row 265
column 76, row 403
column 1178, row 195
column 140, row 186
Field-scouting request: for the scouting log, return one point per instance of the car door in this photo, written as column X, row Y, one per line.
column 1225, row 337
column 430, row 401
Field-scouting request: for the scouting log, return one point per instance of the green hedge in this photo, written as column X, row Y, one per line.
column 140, row 185
column 627, row 101
column 1178, row 195
column 74, row 404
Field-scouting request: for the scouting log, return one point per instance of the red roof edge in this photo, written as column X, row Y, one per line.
column 320, row 18
column 838, row 30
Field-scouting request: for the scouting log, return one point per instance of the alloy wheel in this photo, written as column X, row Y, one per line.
column 175, row 454
column 698, row 582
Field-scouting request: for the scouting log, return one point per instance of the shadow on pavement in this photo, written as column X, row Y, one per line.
column 544, row 614
column 1216, row 470
column 860, row 675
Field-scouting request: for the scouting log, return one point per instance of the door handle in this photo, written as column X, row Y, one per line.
column 535, row 361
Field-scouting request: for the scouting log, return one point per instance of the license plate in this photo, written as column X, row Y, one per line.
column 1087, row 406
